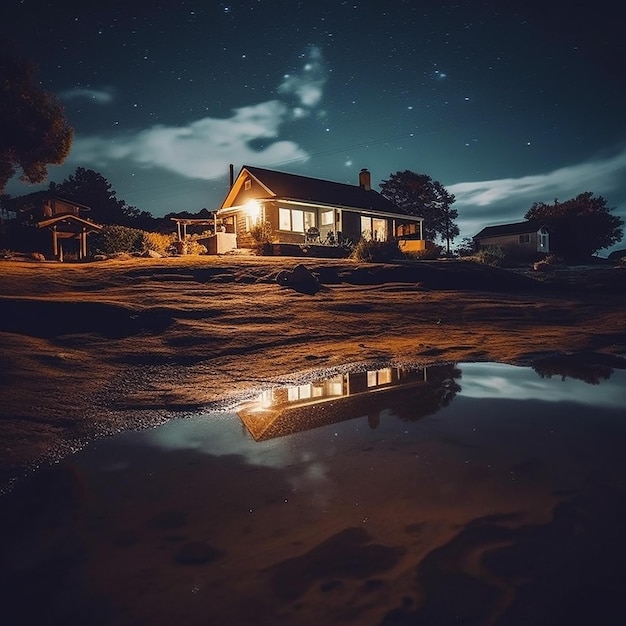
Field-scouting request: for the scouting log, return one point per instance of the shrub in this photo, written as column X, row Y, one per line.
column 114, row 239
column 373, row 251
column 552, row 259
column 491, row 255
column 159, row 242
column 262, row 234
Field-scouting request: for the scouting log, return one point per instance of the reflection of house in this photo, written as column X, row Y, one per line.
column 66, row 221
column 321, row 213
column 518, row 239
column 409, row 393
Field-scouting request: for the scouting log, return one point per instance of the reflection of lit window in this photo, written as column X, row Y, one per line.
column 379, row 377
column 266, row 398
column 335, row 386
column 301, row 392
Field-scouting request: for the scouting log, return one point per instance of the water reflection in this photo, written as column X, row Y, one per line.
column 495, row 497
column 410, row 394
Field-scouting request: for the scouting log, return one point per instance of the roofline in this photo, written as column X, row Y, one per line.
column 45, row 195
column 60, row 218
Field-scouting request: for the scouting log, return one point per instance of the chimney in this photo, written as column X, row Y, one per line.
column 365, row 179
column 232, row 176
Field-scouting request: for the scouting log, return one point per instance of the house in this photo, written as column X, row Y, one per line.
column 66, row 220
column 314, row 216
column 520, row 239
column 406, row 393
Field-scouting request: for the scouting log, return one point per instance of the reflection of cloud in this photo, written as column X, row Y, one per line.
column 508, row 199
column 99, row 96
column 495, row 380
column 202, row 148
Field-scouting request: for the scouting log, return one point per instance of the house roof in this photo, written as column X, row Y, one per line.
column 68, row 221
column 37, row 198
column 516, row 228
column 305, row 189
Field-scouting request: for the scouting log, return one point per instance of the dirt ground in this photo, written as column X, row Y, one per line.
column 91, row 349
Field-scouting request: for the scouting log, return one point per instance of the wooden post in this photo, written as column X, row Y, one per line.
column 55, row 243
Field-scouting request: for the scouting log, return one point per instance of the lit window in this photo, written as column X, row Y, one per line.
column 327, row 218
column 284, row 219
column 295, row 220
column 373, row 228
column 247, row 184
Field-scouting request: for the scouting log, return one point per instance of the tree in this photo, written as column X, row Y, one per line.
column 33, row 130
column 420, row 195
column 579, row 227
column 93, row 190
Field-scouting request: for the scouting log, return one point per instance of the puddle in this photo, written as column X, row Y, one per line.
column 472, row 493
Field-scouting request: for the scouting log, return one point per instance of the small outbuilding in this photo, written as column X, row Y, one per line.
column 519, row 239
column 66, row 220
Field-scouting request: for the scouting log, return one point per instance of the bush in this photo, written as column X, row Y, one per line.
column 114, row 239
column 552, row 259
column 491, row 255
column 159, row 242
column 373, row 251
column 262, row 234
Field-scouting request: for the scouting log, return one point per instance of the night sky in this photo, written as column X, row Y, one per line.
column 506, row 103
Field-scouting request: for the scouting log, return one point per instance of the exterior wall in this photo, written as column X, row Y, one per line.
column 351, row 225
column 255, row 191
column 220, row 243
column 244, row 239
column 412, row 245
column 511, row 244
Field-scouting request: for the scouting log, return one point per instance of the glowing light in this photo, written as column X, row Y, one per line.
column 252, row 209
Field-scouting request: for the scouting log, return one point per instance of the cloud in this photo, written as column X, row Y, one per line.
column 491, row 202
column 307, row 86
column 99, row 96
column 202, row 148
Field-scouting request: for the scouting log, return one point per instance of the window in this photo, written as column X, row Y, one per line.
column 525, row 238
column 327, row 218
column 247, row 184
column 295, row 220
column 373, row 228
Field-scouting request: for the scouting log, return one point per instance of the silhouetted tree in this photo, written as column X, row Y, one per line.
column 93, row 190
column 33, row 130
column 420, row 195
column 578, row 227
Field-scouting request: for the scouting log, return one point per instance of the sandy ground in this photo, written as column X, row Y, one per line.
column 90, row 349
